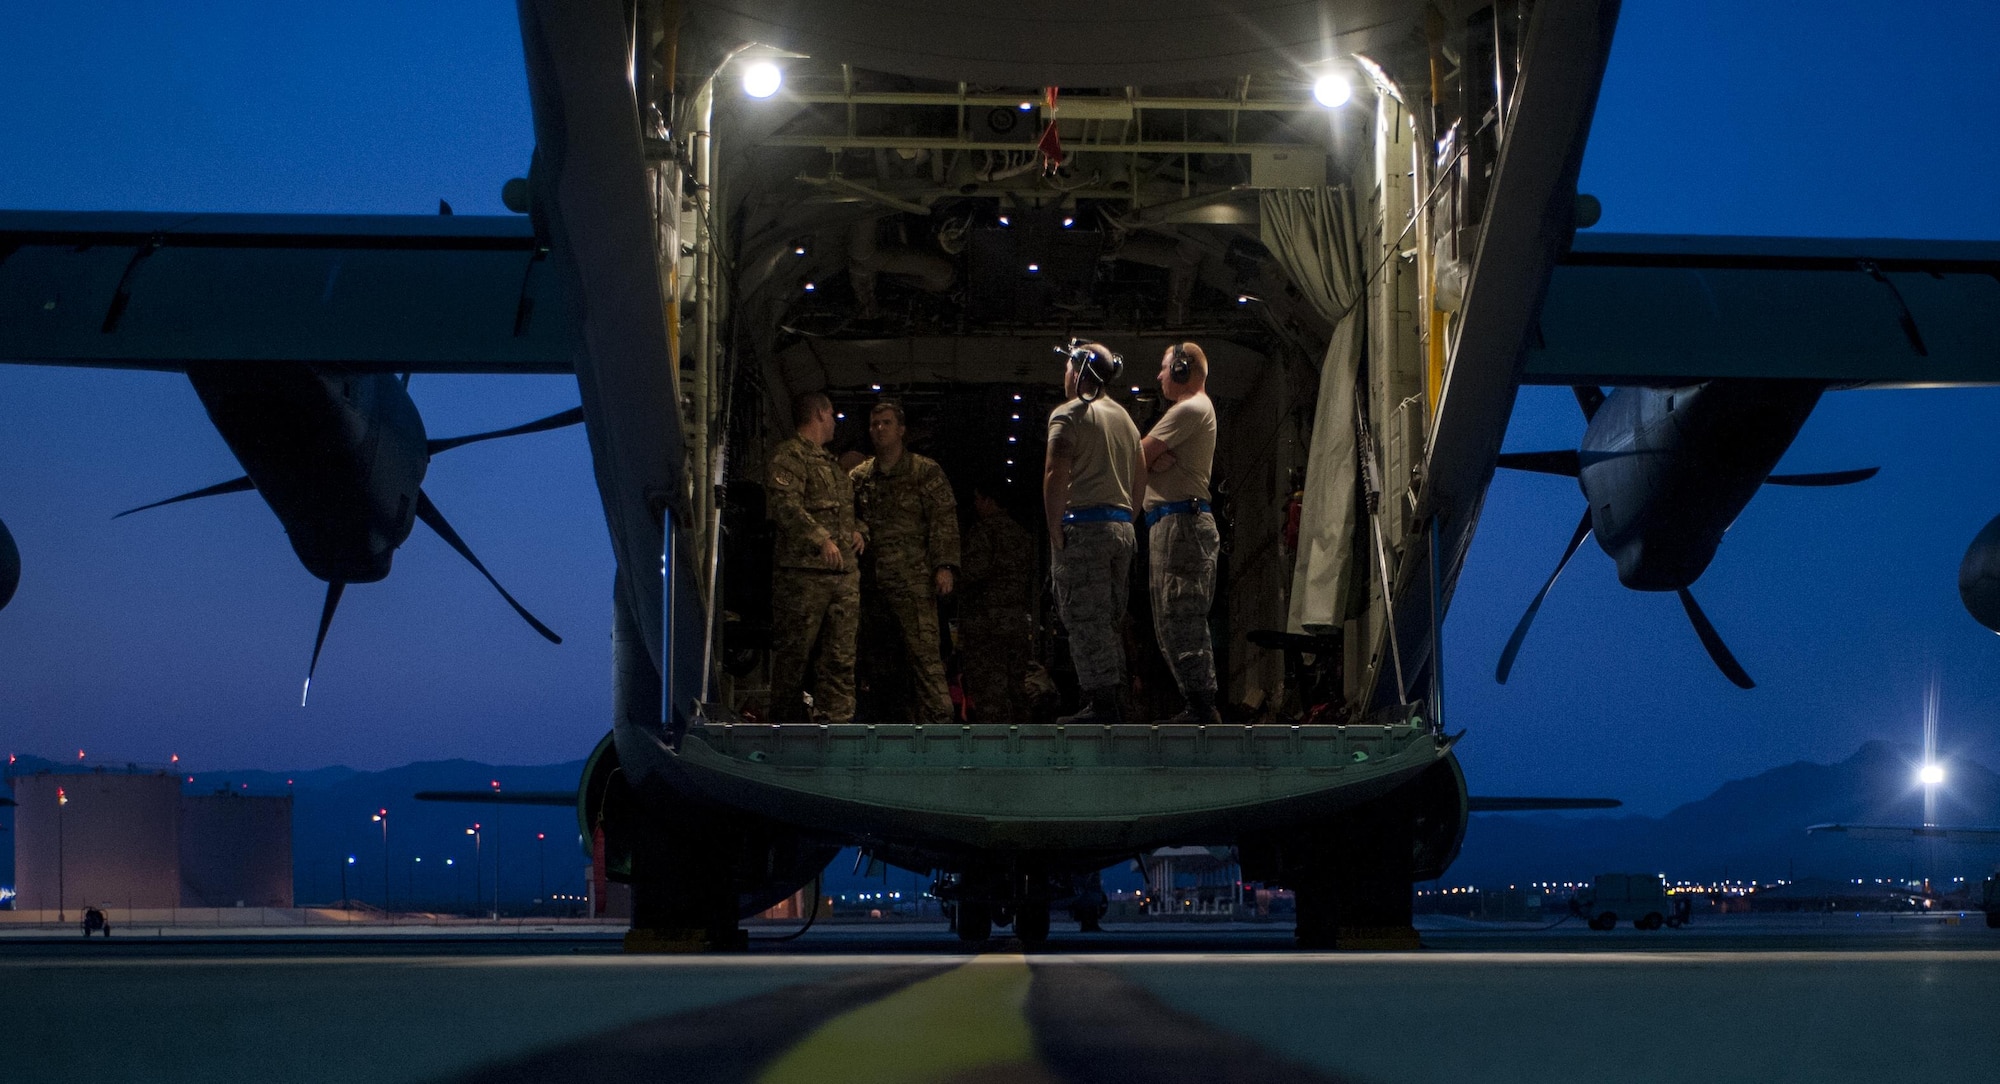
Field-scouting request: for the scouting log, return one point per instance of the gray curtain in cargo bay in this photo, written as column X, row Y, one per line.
column 1311, row 232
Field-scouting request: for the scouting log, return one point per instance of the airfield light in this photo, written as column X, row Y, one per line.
column 450, row 862
column 1332, row 90
column 350, row 859
column 1931, row 775
column 761, row 79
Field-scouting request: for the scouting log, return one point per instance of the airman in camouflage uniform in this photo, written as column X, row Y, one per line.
column 1182, row 540
column 815, row 578
column 996, row 611
column 1088, row 485
column 905, row 503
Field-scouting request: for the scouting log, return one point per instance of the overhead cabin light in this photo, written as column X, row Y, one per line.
column 798, row 250
column 1068, row 222
column 762, row 78
column 1034, row 267
column 1017, row 396
column 1005, row 221
column 1026, row 107
column 874, row 387
column 809, row 287
column 1332, row 90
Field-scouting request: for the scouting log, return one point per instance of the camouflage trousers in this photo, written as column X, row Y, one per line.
column 1181, row 551
column 813, row 618
column 900, row 621
column 997, row 649
column 1090, row 576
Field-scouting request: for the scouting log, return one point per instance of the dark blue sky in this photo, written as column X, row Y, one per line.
column 187, row 629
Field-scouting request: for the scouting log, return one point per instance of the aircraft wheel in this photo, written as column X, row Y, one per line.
column 1674, row 923
column 1032, row 924
column 975, row 922
column 1605, row 921
column 1648, row 921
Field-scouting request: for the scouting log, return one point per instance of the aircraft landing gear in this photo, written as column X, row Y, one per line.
column 1031, row 922
column 975, row 922
column 1352, row 876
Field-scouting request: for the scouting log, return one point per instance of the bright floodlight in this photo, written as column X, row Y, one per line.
column 1332, row 91
column 761, row 79
column 1931, row 775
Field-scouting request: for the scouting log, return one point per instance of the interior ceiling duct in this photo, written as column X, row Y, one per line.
column 1108, row 43
column 868, row 258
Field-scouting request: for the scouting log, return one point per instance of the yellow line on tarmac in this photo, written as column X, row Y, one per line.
column 967, row 1023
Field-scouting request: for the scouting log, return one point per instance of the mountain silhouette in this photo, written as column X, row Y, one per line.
column 1753, row 829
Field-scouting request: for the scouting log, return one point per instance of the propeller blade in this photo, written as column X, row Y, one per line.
column 234, row 485
column 1827, row 478
column 333, row 592
column 1712, row 640
column 435, row 520
column 1589, row 397
column 1566, row 462
column 1521, row 630
column 554, row 421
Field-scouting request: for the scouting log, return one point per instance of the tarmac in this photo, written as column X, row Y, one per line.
column 1813, row 998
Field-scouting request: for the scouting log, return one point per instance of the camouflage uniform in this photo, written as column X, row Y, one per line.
column 996, row 615
column 812, row 606
column 1181, row 552
column 1091, row 576
column 912, row 522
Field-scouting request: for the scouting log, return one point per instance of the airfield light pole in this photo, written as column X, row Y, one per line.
column 62, row 882
column 474, row 833
column 412, row 893
column 343, row 883
column 382, row 816
column 542, row 839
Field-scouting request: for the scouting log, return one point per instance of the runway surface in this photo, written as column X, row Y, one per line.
column 1824, row 998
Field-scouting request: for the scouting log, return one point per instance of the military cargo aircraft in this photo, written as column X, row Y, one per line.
column 1365, row 210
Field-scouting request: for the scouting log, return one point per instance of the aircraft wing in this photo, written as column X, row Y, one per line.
column 1910, row 831
column 1479, row 804
column 1642, row 309
column 394, row 293
column 500, row 797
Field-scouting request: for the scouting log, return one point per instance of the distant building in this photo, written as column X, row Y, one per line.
column 129, row 838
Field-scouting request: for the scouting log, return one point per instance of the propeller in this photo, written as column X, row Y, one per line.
column 1712, row 640
column 1828, row 478
column 435, row 520
column 542, row 425
column 234, row 485
column 333, row 592
column 1567, row 462
column 1521, row 630
column 1589, row 397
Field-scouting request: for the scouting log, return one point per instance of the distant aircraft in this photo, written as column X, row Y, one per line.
column 1979, row 576
column 340, row 458
column 1664, row 472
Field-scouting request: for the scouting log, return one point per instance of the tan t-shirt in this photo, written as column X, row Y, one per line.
column 1103, row 444
column 1188, row 431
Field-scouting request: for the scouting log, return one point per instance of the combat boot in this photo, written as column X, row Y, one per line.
column 1099, row 706
column 1200, row 708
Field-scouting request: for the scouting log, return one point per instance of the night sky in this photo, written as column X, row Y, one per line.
column 186, row 630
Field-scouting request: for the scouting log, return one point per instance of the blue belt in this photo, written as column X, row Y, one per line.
column 1098, row 513
column 1161, row 511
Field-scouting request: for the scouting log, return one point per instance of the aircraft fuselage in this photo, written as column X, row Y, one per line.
column 1667, row 470
column 339, row 457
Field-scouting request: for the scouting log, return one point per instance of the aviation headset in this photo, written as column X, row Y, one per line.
column 1180, row 368
column 1101, row 369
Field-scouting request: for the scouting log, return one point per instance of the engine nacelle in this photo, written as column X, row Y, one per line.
column 1979, row 576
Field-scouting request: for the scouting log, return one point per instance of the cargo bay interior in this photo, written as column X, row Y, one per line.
column 874, row 235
